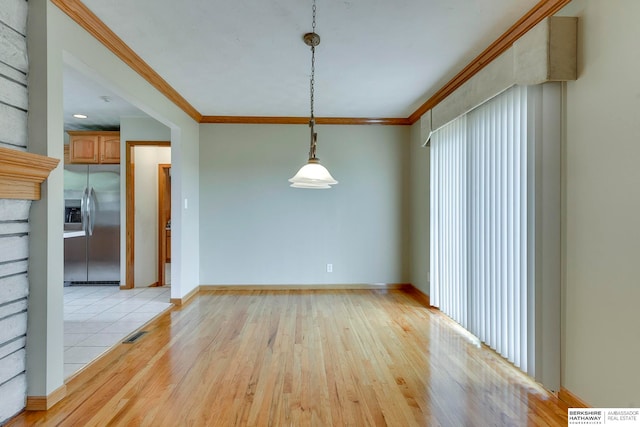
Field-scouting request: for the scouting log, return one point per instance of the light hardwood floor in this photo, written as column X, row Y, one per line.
column 302, row 358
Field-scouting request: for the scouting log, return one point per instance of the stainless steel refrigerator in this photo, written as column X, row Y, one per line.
column 92, row 224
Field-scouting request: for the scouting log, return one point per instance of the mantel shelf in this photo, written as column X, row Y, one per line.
column 21, row 173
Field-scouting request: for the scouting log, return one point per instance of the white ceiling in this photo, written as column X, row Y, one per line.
column 377, row 58
column 82, row 95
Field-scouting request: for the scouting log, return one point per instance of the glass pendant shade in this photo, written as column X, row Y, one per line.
column 313, row 175
column 311, row 186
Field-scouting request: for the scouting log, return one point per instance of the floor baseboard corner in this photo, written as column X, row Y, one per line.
column 44, row 403
column 179, row 302
column 571, row 399
column 423, row 298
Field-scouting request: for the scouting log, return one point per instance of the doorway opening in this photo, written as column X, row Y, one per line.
column 144, row 213
column 164, row 224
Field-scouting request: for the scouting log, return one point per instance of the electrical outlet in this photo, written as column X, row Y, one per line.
column 329, row 268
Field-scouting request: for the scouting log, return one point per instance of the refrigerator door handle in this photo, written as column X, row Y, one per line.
column 92, row 210
column 84, row 209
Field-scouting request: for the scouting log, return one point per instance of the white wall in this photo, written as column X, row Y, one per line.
column 602, row 207
column 255, row 229
column 147, row 160
column 45, row 131
column 53, row 38
column 143, row 129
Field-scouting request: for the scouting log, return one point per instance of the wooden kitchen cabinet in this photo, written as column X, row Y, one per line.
column 94, row 147
column 83, row 148
column 110, row 149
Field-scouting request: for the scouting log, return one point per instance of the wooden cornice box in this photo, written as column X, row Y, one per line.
column 21, row 173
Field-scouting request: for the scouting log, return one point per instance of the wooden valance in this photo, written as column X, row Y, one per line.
column 21, row 173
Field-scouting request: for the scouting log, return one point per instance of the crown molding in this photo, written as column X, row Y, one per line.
column 542, row 10
column 81, row 14
column 77, row 11
column 278, row 120
column 21, row 173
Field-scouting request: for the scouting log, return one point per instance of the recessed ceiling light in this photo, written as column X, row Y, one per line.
column 79, row 116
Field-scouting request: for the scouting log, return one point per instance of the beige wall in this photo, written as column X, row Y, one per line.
column 419, row 208
column 255, row 229
column 602, row 207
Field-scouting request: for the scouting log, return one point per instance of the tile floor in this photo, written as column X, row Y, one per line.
column 97, row 317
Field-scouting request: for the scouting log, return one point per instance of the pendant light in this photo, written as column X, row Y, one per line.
column 313, row 175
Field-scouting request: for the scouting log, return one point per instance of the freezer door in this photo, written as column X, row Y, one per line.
column 103, row 244
column 75, row 256
column 75, row 248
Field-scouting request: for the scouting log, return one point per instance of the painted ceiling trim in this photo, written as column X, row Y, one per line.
column 82, row 15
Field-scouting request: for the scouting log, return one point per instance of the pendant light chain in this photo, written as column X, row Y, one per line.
column 312, row 175
column 313, row 57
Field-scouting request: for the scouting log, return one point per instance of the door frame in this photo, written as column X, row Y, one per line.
column 130, row 223
column 164, row 179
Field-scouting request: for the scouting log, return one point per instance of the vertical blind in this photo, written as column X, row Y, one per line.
column 449, row 254
column 480, row 225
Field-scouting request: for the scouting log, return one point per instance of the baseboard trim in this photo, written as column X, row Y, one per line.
column 571, row 399
column 44, row 403
column 179, row 302
column 407, row 287
column 331, row 287
column 420, row 296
